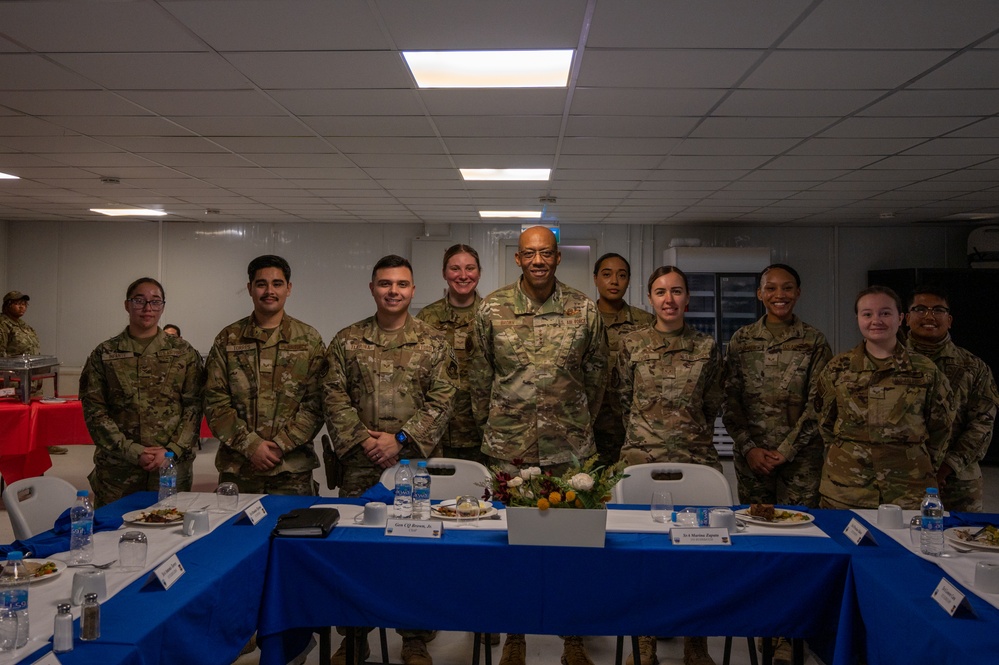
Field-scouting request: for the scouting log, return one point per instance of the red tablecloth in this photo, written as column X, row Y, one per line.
column 27, row 430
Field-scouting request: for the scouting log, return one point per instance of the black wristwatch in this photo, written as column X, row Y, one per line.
column 402, row 438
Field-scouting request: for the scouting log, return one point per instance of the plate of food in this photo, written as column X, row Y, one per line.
column 968, row 536
column 42, row 569
column 155, row 517
column 764, row 514
column 445, row 510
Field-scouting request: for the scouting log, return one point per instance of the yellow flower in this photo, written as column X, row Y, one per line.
column 555, row 498
column 579, row 503
column 542, row 504
column 570, row 496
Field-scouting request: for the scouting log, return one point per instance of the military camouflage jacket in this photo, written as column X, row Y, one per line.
column 670, row 390
column 611, row 417
column 17, row 337
column 134, row 397
column 404, row 380
column 265, row 387
column 462, row 431
column 975, row 403
column 537, row 383
column 768, row 382
column 908, row 404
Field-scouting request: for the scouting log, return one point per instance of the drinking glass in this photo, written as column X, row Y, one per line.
column 662, row 506
column 132, row 548
column 915, row 531
column 466, row 509
column 228, row 497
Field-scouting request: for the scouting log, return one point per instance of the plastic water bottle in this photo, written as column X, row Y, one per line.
column 421, row 492
column 168, row 481
column 404, row 490
column 15, row 594
column 931, row 536
column 81, row 539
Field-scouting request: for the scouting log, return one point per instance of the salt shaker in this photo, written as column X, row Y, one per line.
column 90, row 618
column 62, row 632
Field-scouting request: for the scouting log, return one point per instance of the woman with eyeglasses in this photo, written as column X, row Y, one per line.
column 141, row 394
column 885, row 414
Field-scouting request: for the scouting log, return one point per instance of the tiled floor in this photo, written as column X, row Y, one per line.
column 449, row 648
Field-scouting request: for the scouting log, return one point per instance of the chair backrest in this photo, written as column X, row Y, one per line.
column 34, row 504
column 696, row 484
column 467, row 477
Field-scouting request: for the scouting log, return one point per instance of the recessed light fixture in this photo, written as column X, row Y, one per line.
column 506, row 174
column 129, row 212
column 510, row 214
column 490, row 69
column 7, row 176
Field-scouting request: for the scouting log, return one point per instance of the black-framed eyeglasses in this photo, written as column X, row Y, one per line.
column 921, row 310
column 140, row 303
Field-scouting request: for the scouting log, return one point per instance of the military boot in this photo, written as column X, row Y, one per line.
column 695, row 651
column 646, row 652
column 361, row 651
column 783, row 653
column 514, row 650
column 414, row 652
column 574, row 653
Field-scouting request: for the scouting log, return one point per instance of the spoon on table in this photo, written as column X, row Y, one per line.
column 102, row 566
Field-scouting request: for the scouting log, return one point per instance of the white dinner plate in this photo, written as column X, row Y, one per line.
column 60, row 566
column 135, row 517
column 951, row 535
column 486, row 509
column 743, row 515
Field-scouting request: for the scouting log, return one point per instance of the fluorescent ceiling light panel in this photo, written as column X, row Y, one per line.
column 490, row 69
column 506, row 174
column 7, row 176
column 510, row 214
column 129, row 212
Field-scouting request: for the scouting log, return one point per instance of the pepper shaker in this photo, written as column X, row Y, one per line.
column 90, row 618
column 62, row 632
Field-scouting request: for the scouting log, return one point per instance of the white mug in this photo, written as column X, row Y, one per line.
column 375, row 514
column 889, row 516
column 89, row 581
column 722, row 517
column 195, row 522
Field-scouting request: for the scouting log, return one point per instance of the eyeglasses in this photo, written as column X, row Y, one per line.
column 921, row 310
column 529, row 254
column 138, row 302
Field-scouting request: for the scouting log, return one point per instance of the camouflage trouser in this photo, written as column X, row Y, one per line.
column 300, row 484
column 705, row 455
column 111, row 482
column 794, row 483
column 964, row 496
column 472, row 453
column 861, row 475
column 608, row 445
column 360, row 473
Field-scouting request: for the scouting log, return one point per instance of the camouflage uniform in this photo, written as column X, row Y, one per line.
column 264, row 386
column 608, row 430
column 768, row 382
column 133, row 398
column 386, row 382
column 975, row 402
column 462, row 438
column 670, row 390
column 885, row 430
column 537, row 383
column 17, row 337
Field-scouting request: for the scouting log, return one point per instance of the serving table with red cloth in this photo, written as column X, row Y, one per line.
column 27, row 430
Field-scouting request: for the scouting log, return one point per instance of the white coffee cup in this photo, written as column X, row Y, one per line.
column 375, row 514
column 195, row 522
column 889, row 516
column 89, row 581
column 722, row 517
column 987, row 577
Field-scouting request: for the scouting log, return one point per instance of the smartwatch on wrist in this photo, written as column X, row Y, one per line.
column 402, row 438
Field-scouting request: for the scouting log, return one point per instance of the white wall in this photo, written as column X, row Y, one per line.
column 76, row 273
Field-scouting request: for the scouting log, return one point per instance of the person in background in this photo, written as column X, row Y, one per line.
column 141, row 392
column 884, row 413
column 17, row 337
column 611, row 275
column 262, row 396
column 668, row 378
column 389, row 394
column 172, row 330
column 975, row 398
column 453, row 316
column 537, row 377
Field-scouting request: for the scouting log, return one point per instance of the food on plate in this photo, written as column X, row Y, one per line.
column 988, row 536
column 161, row 516
column 448, row 510
column 766, row 511
column 762, row 510
column 38, row 569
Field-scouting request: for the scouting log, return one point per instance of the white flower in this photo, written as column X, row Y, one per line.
column 515, row 482
column 581, row 482
column 534, row 471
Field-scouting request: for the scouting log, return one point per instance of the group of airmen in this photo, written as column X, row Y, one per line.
column 537, row 373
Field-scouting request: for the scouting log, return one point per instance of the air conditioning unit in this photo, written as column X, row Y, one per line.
column 983, row 247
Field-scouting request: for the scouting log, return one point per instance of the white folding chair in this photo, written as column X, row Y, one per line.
column 449, row 477
column 690, row 485
column 34, row 504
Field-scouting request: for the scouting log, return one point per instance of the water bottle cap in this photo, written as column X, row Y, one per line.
column 15, row 556
column 404, row 462
column 169, row 453
column 931, row 490
column 422, row 463
column 82, row 493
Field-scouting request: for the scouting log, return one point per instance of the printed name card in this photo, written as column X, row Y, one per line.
column 8, row 392
column 857, row 532
column 414, row 528
column 705, row 535
column 169, row 571
column 949, row 598
column 255, row 512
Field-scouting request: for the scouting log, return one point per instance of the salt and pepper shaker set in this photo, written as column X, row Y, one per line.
column 90, row 623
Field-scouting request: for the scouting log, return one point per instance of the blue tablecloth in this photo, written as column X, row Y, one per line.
column 637, row 584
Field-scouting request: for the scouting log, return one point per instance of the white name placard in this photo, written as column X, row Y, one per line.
column 705, row 535
column 9, row 392
column 949, row 598
column 255, row 512
column 169, row 571
column 856, row 532
column 414, row 528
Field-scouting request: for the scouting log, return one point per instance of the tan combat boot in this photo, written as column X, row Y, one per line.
column 361, row 651
column 574, row 653
column 414, row 652
column 514, row 650
column 646, row 652
column 695, row 651
column 783, row 653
